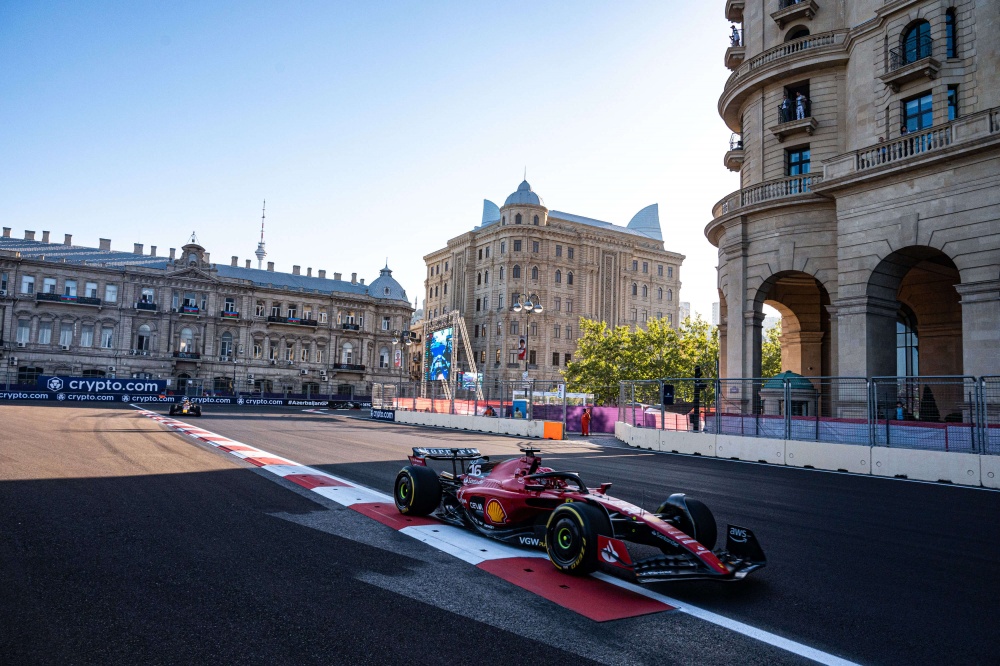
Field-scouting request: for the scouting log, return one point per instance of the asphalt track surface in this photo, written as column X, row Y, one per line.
column 123, row 542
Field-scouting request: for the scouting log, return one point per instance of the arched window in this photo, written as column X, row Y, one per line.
column 659, row 293
column 517, row 219
column 226, row 345
column 670, row 294
column 536, row 220
column 347, row 353
column 142, row 342
column 515, row 273
column 797, row 33
column 501, row 273
column 383, row 357
column 917, row 42
column 645, row 291
column 534, row 272
column 569, row 278
column 186, row 341
column 951, row 44
column 479, row 278
column 558, row 277
column 635, row 289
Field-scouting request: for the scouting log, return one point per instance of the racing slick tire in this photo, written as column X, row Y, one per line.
column 173, row 410
column 571, row 537
column 417, row 491
column 704, row 528
column 197, row 411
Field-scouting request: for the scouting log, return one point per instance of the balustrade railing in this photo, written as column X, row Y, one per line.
column 915, row 143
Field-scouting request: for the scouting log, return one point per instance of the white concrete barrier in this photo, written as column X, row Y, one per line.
column 645, row 438
column 756, row 449
column 823, row 455
column 960, row 468
column 989, row 474
column 691, row 443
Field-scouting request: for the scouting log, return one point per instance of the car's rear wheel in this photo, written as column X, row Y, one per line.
column 703, row 528
column 417, row 491
column 571, row 537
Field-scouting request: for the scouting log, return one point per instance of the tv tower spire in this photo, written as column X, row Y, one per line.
column 261, row 252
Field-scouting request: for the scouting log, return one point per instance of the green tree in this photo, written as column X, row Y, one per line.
column 770, row 351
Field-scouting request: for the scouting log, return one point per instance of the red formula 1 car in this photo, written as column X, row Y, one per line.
column 519, row 502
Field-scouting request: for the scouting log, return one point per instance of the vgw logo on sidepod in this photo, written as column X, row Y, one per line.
column 54, row 384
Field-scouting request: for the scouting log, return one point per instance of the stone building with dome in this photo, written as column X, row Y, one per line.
column 570, row 265
column 206, row 326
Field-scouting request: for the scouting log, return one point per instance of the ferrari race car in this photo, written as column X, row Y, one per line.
column 519, row 502
column 185, row 408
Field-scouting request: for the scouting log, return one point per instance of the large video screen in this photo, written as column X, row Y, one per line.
column 440, row 352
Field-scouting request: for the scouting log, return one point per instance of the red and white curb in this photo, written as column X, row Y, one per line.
column 599, row 597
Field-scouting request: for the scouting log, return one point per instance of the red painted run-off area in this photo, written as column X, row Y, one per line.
column 310, row 481
column 388, row 514
column 590, row 597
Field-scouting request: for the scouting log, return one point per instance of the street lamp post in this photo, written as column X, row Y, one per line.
column 529, row 307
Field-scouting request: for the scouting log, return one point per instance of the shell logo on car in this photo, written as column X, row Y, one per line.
column 495, row 512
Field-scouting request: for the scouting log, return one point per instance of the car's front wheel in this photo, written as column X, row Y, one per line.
column 571, row 537
column 417, row 491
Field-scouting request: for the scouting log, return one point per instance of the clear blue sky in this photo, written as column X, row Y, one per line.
column 373, row 129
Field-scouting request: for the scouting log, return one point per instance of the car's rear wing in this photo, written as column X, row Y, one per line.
column 428, row 453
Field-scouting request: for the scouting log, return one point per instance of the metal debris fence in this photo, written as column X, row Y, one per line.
column 948, row 413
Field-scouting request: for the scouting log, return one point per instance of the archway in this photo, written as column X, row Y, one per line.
column 806, row 340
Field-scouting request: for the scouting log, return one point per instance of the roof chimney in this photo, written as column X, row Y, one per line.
column 236, row 260
column 137, row 248
column 207, row 256
column 29, row 235
column 68, row 240
column 45, row 237
column 173, row 253
column 6, row 232
column 354, row 278
column 248, row 263
column 295, row 270
column 104, row 243
column 270, row 266
column 152, row 250
column 322, row 274
column 337, row 276
column 309, row 272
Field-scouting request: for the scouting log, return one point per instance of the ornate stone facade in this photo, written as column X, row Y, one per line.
column 869, row 213
column 577, row 266
column 70, row 310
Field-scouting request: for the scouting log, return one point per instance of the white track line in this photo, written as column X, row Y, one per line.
column 475, row 549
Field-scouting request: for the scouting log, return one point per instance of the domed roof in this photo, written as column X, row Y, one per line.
column 796, row 381
column 524, row 195
column 385, row 287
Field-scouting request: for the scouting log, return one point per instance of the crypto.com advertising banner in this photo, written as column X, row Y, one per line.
column 101, row 389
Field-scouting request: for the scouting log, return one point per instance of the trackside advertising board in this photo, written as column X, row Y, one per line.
column 384, row 414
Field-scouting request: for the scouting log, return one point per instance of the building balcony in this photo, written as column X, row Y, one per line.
column 150, row 307
column 734, row 157
column 294, row 321
column 734, row 10
column 348, row 367
column 783, row 191
column 350, row 327
column 229, row 314
column 190, row 356
column 70, row 300
column 783, row 62
column 911, row 62
column 794, row 10
column 188, row 310
column 734, row 56
column 965, row 135
column 806, row 125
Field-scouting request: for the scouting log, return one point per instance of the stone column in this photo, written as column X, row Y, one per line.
column 867, row 326
column 752, row 325
column 980, row 335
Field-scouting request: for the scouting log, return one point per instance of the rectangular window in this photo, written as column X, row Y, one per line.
column 952, row 102
column 645, row 317
column 670, row 271
column 304, row 354
column 514, row 328
column 446, row 266
column 634, row 314
column 534, row 246
column 258, row 350
column 48, row 285
column 659, row 270
column 557, row 303
column 498, row 356
column 90, row 290
column 45, row 333
column 107, row 337
column 918, row 113
column 517, row 246
column 569, row 253
column 27, row 284
column 70, row 288
column 503, row 250
column 272, row 350
column 557, row 333
column 66, row 334
column 322, row 316
column 569, row 332
column 645, row 267
column 289, row 351
column 531, row 357
column 478, row 303
column 555, row 358
column 635, row 265
column 276, row 310
column 319, row 355
column 500, row 302
column 670, row 319
column 385, row 323
column 148, row 295
column 480, row 255
column 558, row 250
column 87, row 335
column 534, row 329
column 3, row 282
column 475, row 332
column 567, row 358
column 797, row 161
column 569, row 305
column 487, row 256
column 24, row 330
column 293, row 311
column 482, row 356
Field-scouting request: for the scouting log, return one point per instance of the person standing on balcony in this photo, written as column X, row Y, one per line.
column 800, row 106
column 735, row 37
column 785, row 110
